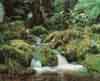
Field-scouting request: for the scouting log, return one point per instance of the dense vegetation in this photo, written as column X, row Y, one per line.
column 71, row 26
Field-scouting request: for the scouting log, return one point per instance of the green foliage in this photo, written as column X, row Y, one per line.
column 90, row 7
column 39, row 30
column 80, row 19
column 93, row 63
column 58, row 6
column 13, row 30
column 56, row 22
column 86, row 12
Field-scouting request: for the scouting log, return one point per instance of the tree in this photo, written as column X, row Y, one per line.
column 41, row 10
column 8, row 8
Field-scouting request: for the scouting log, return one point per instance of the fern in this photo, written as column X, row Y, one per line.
column 89, row 7
column 58, row 6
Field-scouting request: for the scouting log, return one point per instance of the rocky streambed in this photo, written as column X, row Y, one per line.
column 45, row 77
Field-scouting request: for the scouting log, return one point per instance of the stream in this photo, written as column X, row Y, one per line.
column 62, row 66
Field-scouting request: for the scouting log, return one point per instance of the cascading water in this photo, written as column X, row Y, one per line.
column 61, row 59
column 63, row 66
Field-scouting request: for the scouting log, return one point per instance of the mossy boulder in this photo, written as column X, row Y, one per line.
column 59, row 38
column 16, row 54
column 39, row 30
column 73, row 42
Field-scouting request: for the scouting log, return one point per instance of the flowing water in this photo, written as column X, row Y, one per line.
column 63, row 65
column 61, row 60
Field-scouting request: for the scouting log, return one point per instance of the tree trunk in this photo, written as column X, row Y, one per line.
column 37, row 15
column 41, row 10
column 48, row 5
column 8, row 8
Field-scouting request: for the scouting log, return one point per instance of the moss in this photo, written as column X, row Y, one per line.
column 74, row 42
column 16, row 53
column 59, row 38
column 93, row 63
column 13, row 30
column 39, row 30
column 3, row 68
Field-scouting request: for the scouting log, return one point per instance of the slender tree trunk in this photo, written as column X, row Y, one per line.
column 36, row 12
column 8, row 8
column 41, row 10
column 48, row 6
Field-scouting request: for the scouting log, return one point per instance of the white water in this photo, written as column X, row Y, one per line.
column 63, row 66
column 36, row 63
column 29, row 15
column 61, row 60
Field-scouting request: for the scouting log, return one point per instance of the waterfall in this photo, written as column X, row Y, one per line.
column 63, row 65
column 29, row 15
column 36, row 63
column 61, row 59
